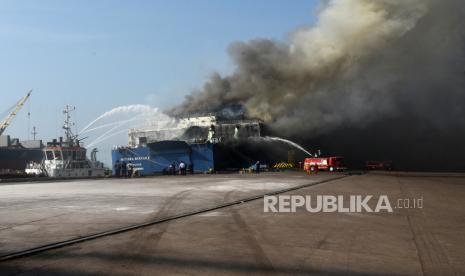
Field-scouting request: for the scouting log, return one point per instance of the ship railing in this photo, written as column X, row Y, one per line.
column 239, row 122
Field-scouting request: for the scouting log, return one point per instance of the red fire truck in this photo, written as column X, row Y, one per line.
column 332, row 164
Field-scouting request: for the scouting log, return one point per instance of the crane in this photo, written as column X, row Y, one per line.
column 13, row 113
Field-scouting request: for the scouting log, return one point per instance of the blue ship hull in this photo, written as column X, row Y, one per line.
column 155, row 158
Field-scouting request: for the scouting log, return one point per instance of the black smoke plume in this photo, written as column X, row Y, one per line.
column 372, row 79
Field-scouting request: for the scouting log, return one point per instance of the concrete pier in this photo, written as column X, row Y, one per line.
column 240, row 239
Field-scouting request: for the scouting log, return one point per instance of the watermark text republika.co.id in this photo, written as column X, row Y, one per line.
column 338, row 203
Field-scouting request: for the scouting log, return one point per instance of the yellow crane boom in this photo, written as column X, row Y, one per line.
column 13, row 113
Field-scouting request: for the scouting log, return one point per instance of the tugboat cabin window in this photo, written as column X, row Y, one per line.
column 49, row 155
column 58, row 155
column 74, row 155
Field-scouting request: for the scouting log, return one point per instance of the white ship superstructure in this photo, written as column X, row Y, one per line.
column 198, row 129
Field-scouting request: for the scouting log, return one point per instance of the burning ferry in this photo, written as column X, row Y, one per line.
column 204, row 143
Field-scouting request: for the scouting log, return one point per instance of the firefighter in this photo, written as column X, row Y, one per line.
column 314, row 170
column 130, row 169
column 257, row 167
column 182, row 168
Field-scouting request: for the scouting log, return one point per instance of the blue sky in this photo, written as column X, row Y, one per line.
column 97, row 55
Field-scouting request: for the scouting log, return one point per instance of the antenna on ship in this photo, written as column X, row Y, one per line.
column 28, row 124
column 68, row 124
column 34, row 133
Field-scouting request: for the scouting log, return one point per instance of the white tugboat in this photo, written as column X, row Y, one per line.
column 67, row 158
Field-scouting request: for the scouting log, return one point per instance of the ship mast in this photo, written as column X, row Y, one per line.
column 68, row 124
column 34, row 132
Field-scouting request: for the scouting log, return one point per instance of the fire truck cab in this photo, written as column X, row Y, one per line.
column 332, row 164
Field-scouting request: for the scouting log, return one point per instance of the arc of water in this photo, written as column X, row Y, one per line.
column 107, row 135
column 97, row 140
column 146, row 109
column 139, row 117
column 289, row 142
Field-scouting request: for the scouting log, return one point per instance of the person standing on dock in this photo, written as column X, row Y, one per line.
column 257, row 167
column 173, row 168
column 182, row 168
column 129, row 169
